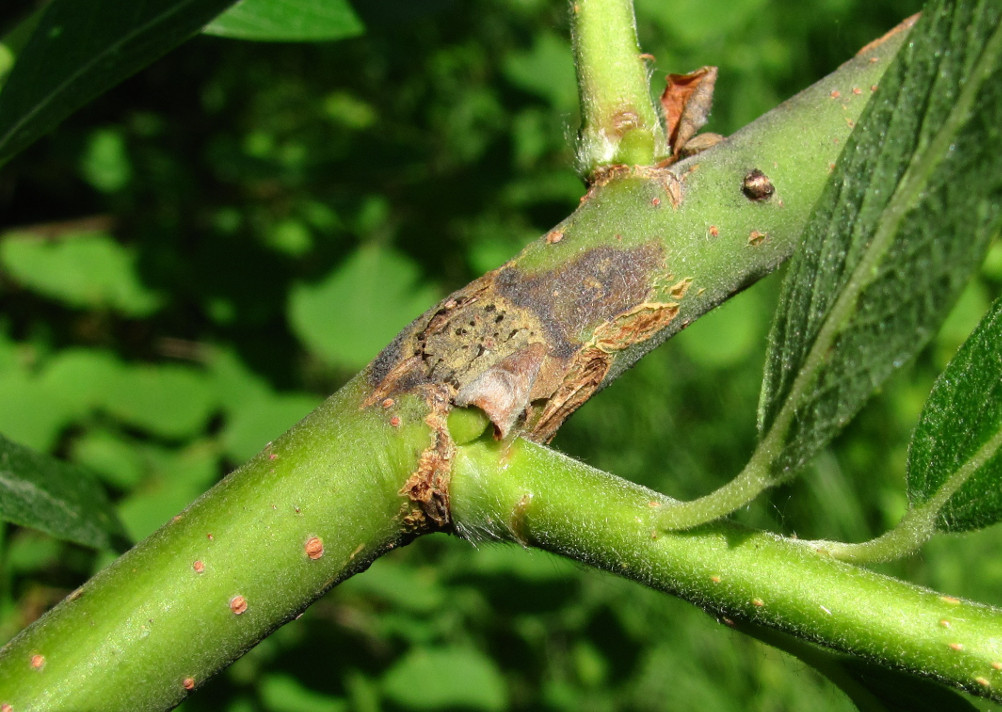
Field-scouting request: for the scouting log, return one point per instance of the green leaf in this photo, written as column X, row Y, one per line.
column 55, row 497
column 446, row 678
column 86, row 270
column 168, row 400
column 349, row 316
column 955, row 450
column 904, row 221
column 288, row 21
column 81, row 49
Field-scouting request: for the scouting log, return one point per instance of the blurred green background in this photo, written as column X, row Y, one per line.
column 192, row 262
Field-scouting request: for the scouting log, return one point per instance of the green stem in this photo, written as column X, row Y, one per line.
column 315, row 507
column 619, row 124
column 529, row 494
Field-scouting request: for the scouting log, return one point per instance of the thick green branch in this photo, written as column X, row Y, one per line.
column 315, row 507
column 529, row 494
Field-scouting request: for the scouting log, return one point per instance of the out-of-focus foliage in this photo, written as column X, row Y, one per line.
column 242, row 194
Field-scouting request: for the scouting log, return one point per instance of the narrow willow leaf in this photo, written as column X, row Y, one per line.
column 907, row 216
column 957, row 445
column 80, row 49
column 60, row 499
column 288, row 21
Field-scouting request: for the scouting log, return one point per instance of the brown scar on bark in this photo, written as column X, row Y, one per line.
column 504, row 345
column 428, row 486
column 503, row 342
column 590, row 366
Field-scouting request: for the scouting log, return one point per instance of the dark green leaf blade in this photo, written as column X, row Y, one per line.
column 79, row 50
column 288, row 21
column 961, row 423
column 904, row 221
column 55, row 497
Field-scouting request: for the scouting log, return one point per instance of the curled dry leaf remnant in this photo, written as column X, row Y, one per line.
column 686, row 103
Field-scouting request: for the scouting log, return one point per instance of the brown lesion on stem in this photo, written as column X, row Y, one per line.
column 428, row 485
column 529, row 348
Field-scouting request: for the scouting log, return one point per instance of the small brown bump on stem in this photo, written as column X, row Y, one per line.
column 715, row 579
column 209, row 536
column 387, row 403
column 655, row 201
column 873, row 87
column 956, row 646
column 727, row 621
column 983, row 681
column 757, row 186
column 175, row 519
column 757, row 602
column 188, row 683
column 238, row 604
column 272, row 456
column 997, row 665
column 198, row 566
column 857, row 91
column 553, row 237
column 950, row 599
column 756, row 238
column 835, row 94
column 945, row 623
column 395, row 421
column 653, row 503
column 37, row 661
column 714, row 231
column 314, row 547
